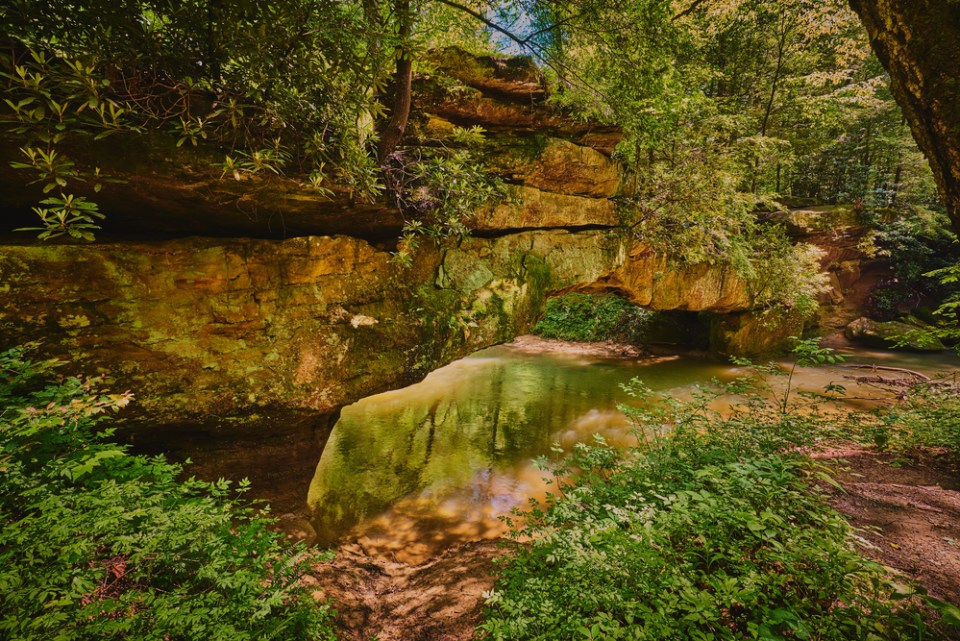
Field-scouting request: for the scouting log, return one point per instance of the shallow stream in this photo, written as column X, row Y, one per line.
column 411, row 471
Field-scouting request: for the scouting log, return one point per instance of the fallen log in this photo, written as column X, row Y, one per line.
column 887, row 368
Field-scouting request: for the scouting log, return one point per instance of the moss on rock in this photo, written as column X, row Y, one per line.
column 892, row 335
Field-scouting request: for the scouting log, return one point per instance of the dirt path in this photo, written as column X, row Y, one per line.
column 439, row 600
column 906, row 511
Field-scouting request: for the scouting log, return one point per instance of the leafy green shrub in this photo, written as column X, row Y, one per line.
column 439, row 190
column 886, row 301
column 585, row 317
column 946, row 316
column 96, row 543
column 928, row 418
column 916, row 242
column 692, row 211
column 252, row 81
column 708, row 530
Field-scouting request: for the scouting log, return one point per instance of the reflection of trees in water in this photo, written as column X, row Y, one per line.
column 431, row 420
column 436, row 437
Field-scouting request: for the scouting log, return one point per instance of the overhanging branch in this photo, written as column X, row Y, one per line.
column 693, row 7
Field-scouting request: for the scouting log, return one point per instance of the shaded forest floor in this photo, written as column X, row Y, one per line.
column 438, row 600
column 905, row 511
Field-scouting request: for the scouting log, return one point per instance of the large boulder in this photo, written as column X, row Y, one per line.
column 753, row 333
column 892, row 335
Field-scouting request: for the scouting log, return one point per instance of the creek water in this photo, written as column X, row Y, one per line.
column 411, row 471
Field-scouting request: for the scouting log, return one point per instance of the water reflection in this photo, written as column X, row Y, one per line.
column 411, row 471
column 438, row 462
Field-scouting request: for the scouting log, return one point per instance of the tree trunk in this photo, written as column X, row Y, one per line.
column 897, row 178
column 402, row 88
column 781, row 48
column 918, row 41
column 213, row 38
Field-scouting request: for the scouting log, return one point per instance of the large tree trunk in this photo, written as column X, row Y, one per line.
column 402, row 88
column 918, row 41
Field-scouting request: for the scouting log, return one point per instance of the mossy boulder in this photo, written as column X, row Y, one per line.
column 892, row 335
column 753, row 333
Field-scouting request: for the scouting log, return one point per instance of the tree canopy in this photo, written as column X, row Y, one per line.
column 779, row 99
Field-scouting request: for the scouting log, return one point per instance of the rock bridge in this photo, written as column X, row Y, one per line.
column 256, row 341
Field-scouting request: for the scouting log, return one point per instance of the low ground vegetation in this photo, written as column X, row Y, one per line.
column 715, row 527
column 96, row 543
column 587, row 318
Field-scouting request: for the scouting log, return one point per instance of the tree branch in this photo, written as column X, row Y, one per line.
column 922, row 377
column 533, row 47
column 688, row 10
column 482, row 18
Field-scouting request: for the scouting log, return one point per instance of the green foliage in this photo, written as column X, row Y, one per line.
column 948, row 313
column 929, row 417
column 96, row 543
column 729, row 106
column 725, row 104
column 706, row 530
column 690, row 207
column 440, row 189
column 789, row 89
column 628, row 71
column 780, row 275
column 915, row 242
column 50, row 100
column 808, row 353
column 924, row 257
column 276, row 86
column 694, row 213
column 585, row 317
column 69, row 215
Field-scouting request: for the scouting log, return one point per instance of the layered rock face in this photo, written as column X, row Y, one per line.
column 241, row 330
column 242, row 352
column 839, row 232
column 203, row 327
